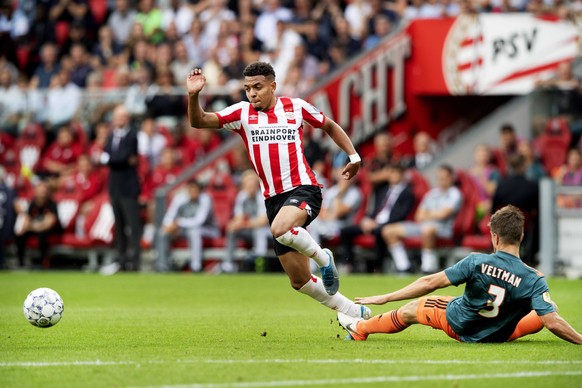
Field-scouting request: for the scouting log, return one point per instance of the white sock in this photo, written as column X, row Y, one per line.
column 300, row 240
column 429, row 261
column 314, row 288
column 400, row 257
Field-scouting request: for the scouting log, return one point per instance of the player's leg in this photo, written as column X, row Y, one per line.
column 194, row 235
column 530, row 324
column 428, row 311
column 288, row 231
column 388, row 323
column 429, row 259
column 393, row 235
column 296, row 266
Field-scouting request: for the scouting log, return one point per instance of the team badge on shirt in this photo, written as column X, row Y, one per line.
column 546, row 297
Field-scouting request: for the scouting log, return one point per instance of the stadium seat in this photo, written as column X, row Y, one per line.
column 30, row 144
column 481, row 240
column 22, row 56
column 98, row 10
column 553, row 143
column 68, row 205
column 98, row 226
column 61, row 32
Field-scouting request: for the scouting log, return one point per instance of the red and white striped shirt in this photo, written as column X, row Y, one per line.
column 274, row 140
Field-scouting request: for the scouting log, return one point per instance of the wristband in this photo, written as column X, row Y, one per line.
column 354, row 158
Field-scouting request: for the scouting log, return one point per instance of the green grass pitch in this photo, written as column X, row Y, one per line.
column 184, row 330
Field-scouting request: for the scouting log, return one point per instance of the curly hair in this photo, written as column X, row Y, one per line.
column 259, row 68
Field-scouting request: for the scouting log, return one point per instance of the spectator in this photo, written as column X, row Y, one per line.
column 77, row 35
column 40, row 220
column 198, row 142
column 570, row 174
column 424, row 149
column 339, row 207
column 7, row 215
column 97, row 147
column 357, row 14
column 150, row 142
column 250, row 46
column 316, row 46
column 63, row 101
column 380, row 7
column 486, row 177
column 507, row 147
column 106, row 47
column 534, row 170
column 47, row 68
column 181, row 65
column 212, row 19
column 377, row 170
column 344, row 38
column 412, row 11
column 85, row 179
column 180, row 14
column 69, row 11
column 382, row 28
column 13, row 103
column 189, row 214
column 139, row 57
column 60, row 158
column 150, row 17
column 139, row 92
column 121, row 156
column 266, row 23
column 121, row 21
column 434, row 218
column 396, row 206
column 81, row 67
column 163, row 174
column 249, row 221
column 196, row 45
column 431, row 9
column 165, row 103
column 517, row 190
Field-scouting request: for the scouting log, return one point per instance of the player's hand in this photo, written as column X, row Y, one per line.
column 350, row 170
column 195, row 81
column 378, row 299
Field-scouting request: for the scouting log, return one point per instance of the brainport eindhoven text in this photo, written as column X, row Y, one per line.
column 273, row 134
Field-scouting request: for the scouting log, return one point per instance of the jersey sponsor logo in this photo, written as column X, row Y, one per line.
column 502, row 274
column 273, row 134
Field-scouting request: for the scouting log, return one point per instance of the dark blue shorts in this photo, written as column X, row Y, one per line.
column 304, row 197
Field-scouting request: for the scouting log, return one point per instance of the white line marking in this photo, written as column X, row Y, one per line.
column 28, row 364
column 378, row 379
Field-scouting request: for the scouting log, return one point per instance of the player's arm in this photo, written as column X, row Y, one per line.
column 198, row 117
column 420, row 287
column 340, row 137
column 558, row 325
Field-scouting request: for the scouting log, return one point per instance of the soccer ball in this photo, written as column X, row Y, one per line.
column 43, row 307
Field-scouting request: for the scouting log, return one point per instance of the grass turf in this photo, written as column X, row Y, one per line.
column 251, row 330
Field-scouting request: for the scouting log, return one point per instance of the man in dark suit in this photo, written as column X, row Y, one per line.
column 517, row 190
column 394, row 206
column 120, row 154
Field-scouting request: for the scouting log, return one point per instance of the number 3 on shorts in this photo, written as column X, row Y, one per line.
column 492, row 309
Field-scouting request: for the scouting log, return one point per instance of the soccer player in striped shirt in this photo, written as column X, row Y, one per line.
column 504, row 299
column 272, row 129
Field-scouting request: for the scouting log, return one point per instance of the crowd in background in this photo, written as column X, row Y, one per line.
column 65, row 64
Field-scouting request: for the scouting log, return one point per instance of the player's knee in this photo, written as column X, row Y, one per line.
column 429, row 231
column 279, row 228
column 408, row 312
column 285, row 238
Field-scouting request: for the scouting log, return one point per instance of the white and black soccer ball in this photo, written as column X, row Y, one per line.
column 43, row 307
